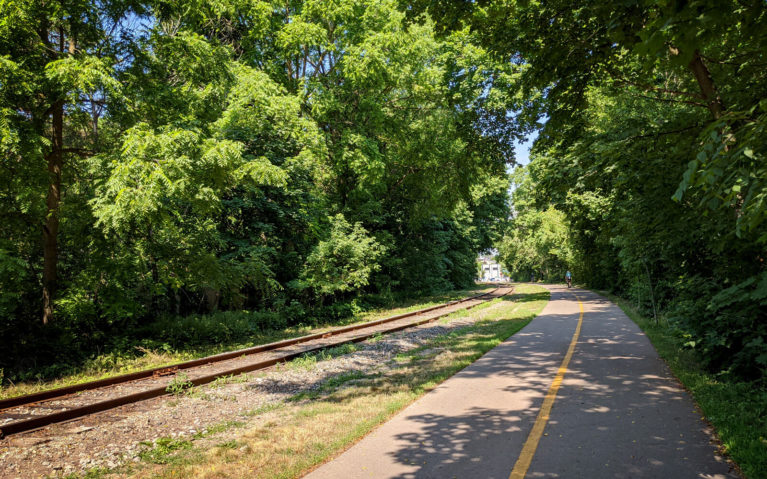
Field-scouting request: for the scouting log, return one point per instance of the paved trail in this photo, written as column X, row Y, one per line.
column 618, row 412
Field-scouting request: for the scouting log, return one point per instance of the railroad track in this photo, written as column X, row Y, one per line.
column 34, row 411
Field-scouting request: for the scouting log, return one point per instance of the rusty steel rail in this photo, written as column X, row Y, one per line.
column 41, row 421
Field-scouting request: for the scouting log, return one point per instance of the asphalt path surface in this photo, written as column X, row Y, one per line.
column 618, row 412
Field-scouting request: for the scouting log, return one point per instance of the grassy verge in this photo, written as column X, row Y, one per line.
column 737, row 410
column 287, row 440
column 240, row 335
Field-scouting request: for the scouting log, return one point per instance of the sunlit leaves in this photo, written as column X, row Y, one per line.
column 83, row 74
column 730, row 171
column 537, row 241
column 344, row 261
column 247, row 153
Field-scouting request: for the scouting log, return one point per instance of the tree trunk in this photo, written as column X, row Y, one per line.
column 212, row 297
column 177, row 297
column 707, row 86
column 705, row 83
column 652, row 293
column 51, row 226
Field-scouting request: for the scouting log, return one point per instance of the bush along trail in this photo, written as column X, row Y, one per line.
column 195, row 337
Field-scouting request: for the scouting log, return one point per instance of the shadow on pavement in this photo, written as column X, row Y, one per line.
column 619, row 412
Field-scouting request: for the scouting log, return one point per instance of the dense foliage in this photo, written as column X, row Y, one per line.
column 170, row 158
column 537, row 244
column 167, row 158
column 653, row 151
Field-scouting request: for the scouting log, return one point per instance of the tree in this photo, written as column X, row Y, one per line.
column 536, row 241
column 57, row 70
column 344, row 261
column 644, row 102
column 219, row 155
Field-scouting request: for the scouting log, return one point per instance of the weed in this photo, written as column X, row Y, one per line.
column 308, row 360
column 217, row 428
column 232, row 444
column 179, row 384
column 376, row 337
column 265, row 409
column 336, row 351
column 222, row 381
column 162, row 450
column 95, row 473
column 197, row 393
column 305, row 361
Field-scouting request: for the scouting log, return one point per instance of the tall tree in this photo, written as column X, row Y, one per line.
column 644, row 102
column 57, row 61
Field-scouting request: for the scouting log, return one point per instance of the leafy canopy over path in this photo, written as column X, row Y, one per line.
column 652, row 156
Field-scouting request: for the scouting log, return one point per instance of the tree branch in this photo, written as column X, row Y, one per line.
column 660, row 90
column 82, row 152
column 669, row 100
column 662, row 133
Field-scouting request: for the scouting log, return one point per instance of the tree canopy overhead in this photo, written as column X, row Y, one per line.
column 653, row 149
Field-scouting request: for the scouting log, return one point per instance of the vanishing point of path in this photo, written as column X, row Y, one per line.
column 579, row 392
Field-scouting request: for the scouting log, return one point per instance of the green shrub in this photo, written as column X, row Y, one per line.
column 219, row 327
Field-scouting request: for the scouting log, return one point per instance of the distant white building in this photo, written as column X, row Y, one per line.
column 490, row 269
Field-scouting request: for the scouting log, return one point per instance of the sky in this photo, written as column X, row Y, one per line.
column 522, row 149
column 522, row 153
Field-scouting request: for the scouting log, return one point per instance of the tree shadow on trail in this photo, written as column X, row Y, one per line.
column 466, row 445
column 526, row 297
column 619, row 411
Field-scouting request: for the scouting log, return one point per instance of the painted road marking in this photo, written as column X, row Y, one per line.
column 528, row 450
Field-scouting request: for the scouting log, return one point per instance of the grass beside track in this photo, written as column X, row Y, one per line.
column 109, row 365
column 737, row 410
column 288, row 439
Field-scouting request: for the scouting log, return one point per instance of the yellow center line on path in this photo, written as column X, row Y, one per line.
column 528, row 450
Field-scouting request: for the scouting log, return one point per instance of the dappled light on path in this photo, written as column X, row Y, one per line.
column 619, row 412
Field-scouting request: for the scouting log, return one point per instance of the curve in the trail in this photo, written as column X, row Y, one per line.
column 618, row 411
